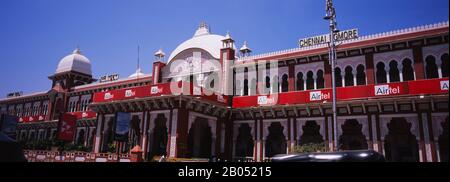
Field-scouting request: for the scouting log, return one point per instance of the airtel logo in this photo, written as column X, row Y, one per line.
column 318, row 96
column 108, row 96
column 263, row 100
column 386, row 90
column 130, row 93
column 155, row 90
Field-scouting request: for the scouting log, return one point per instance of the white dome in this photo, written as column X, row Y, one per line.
column 202, row 39
column 137, row 74
column 75, row 62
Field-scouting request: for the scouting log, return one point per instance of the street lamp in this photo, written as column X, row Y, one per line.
column 331, row 17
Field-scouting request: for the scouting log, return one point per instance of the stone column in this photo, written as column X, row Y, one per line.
column 418, row 62
column 99, row 133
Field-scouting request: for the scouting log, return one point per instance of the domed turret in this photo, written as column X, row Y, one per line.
column 74, row 62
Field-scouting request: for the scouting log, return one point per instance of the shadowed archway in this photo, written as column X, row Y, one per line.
column 276, row 141
column 400, row 144
column 200, row 139
column 352, row 137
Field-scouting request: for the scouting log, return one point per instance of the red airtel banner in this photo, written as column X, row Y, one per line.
column 155, row 91
column 84, row 114
column 66, row 127
column 27, row 119
column 419, row 87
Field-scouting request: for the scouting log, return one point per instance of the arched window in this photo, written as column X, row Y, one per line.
column 381, row 73
column 360, row 75
column 300, row 81
column 267, row 88
column 275, row 85
column 284, row 83
column 394, row 75
column 246, row 72
column 431, row 67
column 407, row 70
column 444, row 65
column 349, row 76
column 310, row 80
column 320, row 81
column 338, row 77
column 245, row 87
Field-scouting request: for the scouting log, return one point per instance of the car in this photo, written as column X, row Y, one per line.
column 338, row 156
column 11, row 151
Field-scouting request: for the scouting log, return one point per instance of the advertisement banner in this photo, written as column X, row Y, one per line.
column 122, row 126
column 67, row 127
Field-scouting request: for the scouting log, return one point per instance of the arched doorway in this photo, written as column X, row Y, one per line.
column 444, row 65
column 159, row 136
column 244, row 141
column 381, row 73
column 349, row 76
column 275, row 141
column 338, row 77
column 443, row 141
column 200, row 139
column 310, row 80
column 394, row 73
column 108, row 135
column 80, row 139
column 311, row 133
column 400, row 144
column 320, row 80
column 284, row 83
column 431, row 67
column 407, row 71
column 360, row 75
column 300, row 81
column 352, row 137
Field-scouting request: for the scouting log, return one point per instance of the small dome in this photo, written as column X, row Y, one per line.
column 160, row 53
column 245, row 48
column 74, row 62
column 137, row 74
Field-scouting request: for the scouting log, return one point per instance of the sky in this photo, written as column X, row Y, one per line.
column 36, row 34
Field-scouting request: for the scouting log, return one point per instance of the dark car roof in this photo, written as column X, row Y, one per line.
column 10, row 150
column 339, row 156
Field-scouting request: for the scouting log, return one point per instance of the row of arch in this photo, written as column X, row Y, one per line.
column 395, row 72
column 308, row 81
column 348, row 76
column 400, row 144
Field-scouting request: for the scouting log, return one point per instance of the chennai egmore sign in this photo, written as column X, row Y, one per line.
column 323, row 39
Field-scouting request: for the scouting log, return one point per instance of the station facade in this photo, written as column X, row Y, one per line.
column 209, row 98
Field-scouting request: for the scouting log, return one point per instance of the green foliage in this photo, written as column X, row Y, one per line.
column 111, row 148
column 309, row 148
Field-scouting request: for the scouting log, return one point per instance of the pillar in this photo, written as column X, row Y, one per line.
column 156, row 73
column 418, row 62
column 430, row 148
column 99, row 133
column 369, row 125
column 291, row 79
column 370, row 74
column 378, row 143
column 181, row 143
column 422, row 147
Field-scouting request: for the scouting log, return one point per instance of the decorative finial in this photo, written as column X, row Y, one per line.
column 202, row 25
column 77, row 50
